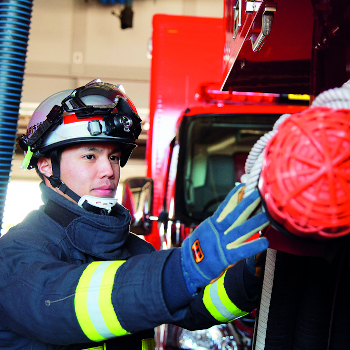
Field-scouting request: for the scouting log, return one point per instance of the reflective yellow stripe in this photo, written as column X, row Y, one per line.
column 93, row 302
column 148, row 344
column 101, row 347
column 218, row 303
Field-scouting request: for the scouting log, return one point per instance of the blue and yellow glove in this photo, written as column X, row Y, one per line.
column 220, row 240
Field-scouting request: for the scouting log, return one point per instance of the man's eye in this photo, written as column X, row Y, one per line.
column 115, row 158
column 89, row 156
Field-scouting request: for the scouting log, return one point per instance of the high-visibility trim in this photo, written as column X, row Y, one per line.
column 148, row 344
column 93, row 301
column 218, row 303
column 101, row 347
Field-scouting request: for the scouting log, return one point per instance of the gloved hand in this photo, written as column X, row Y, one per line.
column 220, row 240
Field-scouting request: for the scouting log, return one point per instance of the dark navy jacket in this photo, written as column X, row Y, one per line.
column 42, row 261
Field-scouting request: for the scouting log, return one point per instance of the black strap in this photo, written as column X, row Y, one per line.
column 66, row 190
column 59, row 214
column 38, row 137
column 55, row 180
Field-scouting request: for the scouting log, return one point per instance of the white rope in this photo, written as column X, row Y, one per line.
column 265, row 299
column 337, row 98
column 256, row 157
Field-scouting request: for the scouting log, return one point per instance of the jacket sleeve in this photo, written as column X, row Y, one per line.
column 233, row 295
column 56, row 302
column 46, row 299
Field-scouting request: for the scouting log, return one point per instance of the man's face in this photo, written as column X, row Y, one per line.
column 91, row 169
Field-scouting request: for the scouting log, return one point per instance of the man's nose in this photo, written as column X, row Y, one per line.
column 106, row 168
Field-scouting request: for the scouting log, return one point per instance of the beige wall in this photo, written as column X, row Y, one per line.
column 74, row 41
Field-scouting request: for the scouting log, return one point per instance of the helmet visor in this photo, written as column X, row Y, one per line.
column 94, row 97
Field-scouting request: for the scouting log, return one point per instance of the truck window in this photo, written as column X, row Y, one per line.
column 216, row 151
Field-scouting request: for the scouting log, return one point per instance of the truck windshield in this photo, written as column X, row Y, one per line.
column 215, row 153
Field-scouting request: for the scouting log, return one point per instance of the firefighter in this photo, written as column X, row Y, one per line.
column 72, row 276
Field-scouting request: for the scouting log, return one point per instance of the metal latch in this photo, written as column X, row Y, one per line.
column 266, row 25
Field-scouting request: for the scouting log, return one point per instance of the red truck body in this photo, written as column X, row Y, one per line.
column 217, row 85
column 305, row 47
column 181, row 49
column 186, row 73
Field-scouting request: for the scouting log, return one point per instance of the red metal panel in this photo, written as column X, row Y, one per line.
column 283, row 64
column 187, row 51
column 238, row 24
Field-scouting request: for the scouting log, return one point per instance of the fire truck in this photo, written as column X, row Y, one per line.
column 217, row 86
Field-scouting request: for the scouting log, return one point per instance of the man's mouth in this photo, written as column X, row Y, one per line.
column 105, row 191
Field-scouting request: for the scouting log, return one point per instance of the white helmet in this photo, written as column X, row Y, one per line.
column 95, row 112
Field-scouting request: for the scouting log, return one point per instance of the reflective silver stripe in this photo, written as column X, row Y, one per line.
column 218, row 303
column 214, row 296
column 93, row 301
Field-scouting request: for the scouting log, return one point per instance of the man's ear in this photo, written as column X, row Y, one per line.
column 45, row 166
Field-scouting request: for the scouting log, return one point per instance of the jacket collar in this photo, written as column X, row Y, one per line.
column 102, row 236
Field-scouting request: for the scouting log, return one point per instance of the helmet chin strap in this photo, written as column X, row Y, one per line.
column 97, row 205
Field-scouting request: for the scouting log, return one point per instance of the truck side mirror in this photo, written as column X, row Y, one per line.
column 137, row 198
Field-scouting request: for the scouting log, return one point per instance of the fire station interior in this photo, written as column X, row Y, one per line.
column 72, row 42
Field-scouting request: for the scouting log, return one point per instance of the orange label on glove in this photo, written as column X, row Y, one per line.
column 197, row 251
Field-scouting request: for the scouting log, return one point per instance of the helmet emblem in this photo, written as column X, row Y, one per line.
column 127, row 123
